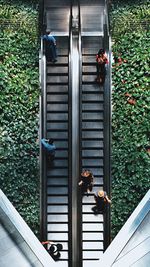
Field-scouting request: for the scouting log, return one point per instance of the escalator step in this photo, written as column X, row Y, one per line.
column 57, row 74
column 59, row 199
column 57, row 98
column 57, row 209
column 57, row 88
column 88, row 163
column 54, row 172
column 92, row 236
column 89, row 106
column 89, row 69
column 93, row 245
column 57, row 125
column 56, row 227
column 61, row 60
column 57, row 69
column 57, row 218
column 92, row 116
column 88, row 153
column 92, row 144
column 92, row 125
column 90, row 226
column 59, row 181
column 57, row 117
column 60, row 236
column 92, row 88
column 57, row 79
column 60, row 163
column 92, row 97
column 89, row 134
column 56, row 107
column 57, row 190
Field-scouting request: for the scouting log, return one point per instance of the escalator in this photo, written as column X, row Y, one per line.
column 75, row 113
column 55, row 124
column 92, row 148
column 93, row 123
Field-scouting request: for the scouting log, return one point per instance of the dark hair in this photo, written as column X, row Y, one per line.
column 59, row 246
column 50, row 141
column 48, row 31
column 53, row 248
column 101, row 51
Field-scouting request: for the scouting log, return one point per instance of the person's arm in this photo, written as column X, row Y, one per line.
column 95, row 197
column 53, row 40
column 45, row 242
column 106, row 59
column 107, row 198
column 54, row 147
column 80, row 183
column 44, row 37
column 92, row 179
column 44, row 142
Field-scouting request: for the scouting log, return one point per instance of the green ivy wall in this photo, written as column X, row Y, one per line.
column 19, row 107
column 130, row 107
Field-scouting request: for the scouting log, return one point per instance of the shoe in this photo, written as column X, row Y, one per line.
column 54, row 60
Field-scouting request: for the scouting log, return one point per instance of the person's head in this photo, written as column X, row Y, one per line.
column 54, row 252
column 53, row 248
column 50, row 141
column 85, row 173
column 59, row 246
column 101, row 51
column 101, row 193
column 48, row 31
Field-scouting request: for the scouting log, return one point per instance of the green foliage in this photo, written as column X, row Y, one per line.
column 133, row 17
column 19, row 108
column 130, row 120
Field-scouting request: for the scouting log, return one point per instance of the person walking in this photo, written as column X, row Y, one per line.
column 50, row 148
column 102, row 200
column 54, row 249
column 51, row 52
column 86, row 181
column 101, row 61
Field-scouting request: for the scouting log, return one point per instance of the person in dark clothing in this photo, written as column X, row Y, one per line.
column 102, row 201
column 54, row 249
column 101, row 61
column 51, row 52
column 86, row 181
column 49, row 147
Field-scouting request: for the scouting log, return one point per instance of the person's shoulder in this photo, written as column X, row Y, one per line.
column 96, row 194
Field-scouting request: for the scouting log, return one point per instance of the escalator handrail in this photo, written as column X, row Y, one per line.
column 107, row 126
column 80, row 134
column 70, row 139
column 42, row 132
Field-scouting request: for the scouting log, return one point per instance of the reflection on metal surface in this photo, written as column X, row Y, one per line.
column 131, row 247
column 21, row 247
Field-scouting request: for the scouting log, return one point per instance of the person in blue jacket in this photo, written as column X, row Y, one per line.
column 51, row 53
column 49, row 147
